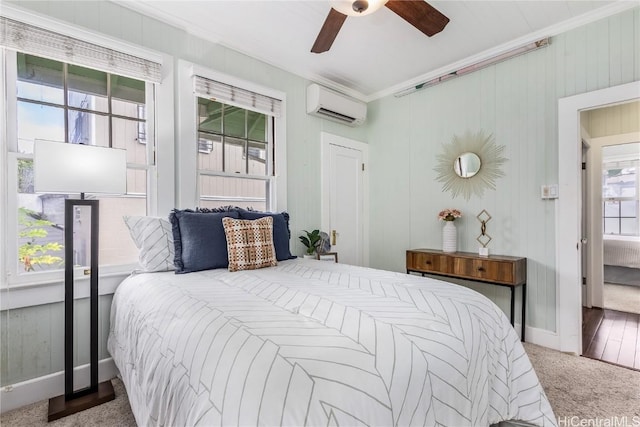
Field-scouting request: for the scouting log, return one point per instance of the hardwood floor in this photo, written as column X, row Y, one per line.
column 611, row 336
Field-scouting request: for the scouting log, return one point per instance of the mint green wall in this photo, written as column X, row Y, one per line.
column 516, row 100
column 32, row 338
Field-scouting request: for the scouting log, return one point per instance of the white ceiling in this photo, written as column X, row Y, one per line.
column 378, row 54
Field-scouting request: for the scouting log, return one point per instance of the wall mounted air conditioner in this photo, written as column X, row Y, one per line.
column 335, row 106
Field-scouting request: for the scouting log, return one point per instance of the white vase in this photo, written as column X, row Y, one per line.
column 449, row 237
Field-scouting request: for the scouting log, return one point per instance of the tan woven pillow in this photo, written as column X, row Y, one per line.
column 250, row 243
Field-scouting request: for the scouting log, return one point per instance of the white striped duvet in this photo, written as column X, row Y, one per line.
column 317, row 343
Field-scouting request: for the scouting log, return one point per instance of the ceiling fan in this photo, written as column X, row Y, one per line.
column 418, row 13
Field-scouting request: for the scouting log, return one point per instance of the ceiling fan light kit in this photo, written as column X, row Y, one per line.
column 357, row 7
column 418, row 13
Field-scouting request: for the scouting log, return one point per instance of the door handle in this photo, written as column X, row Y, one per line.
column 333, row 237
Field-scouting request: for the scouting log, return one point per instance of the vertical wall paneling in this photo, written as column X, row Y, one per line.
column 523, row 94
column 303, row 150
column 4, row 338
column 601, row 50
column 405, row 134
column 616, row 57
column 628, row 53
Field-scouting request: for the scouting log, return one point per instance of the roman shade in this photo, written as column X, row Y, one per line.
column 228, row 94
column 34, row 40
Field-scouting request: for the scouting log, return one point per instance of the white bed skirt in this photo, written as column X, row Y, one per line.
column 622, row 251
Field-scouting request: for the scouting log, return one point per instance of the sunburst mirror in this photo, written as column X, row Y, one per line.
column 470, row 164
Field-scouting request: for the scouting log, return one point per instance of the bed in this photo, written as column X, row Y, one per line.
column 623, row 251
column 314, row 343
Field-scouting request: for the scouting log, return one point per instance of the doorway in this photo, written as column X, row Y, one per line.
column 568, row 235
column 345, row 201
column 611, row 311
column 611, row 204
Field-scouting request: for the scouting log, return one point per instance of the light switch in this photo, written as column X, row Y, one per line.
column 549, row 191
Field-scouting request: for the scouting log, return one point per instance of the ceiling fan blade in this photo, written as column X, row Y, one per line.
column 420, row 14
column 329, row 31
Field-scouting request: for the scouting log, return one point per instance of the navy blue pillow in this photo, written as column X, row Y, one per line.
column 199, row 240
column 281, row 233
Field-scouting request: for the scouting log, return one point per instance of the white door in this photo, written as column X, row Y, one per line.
column 344, row 214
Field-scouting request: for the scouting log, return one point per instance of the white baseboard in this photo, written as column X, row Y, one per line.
column 541, row 337
column 52, row 385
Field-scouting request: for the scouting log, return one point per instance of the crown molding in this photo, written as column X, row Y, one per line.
column 553, row 30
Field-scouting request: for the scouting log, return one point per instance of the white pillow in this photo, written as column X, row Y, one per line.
column 154, row 238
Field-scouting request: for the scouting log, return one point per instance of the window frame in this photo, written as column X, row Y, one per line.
column 605, row 167
column 14, row 277
column 267, row 178
column 188, row 186
column 163, row 174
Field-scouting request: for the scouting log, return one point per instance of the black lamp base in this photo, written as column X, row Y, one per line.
column 59, row 407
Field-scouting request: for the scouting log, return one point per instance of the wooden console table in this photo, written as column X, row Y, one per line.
column 506, row 271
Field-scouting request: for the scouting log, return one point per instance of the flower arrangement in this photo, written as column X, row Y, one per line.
column 449, row 214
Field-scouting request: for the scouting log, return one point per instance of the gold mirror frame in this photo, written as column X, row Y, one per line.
column 491, row 160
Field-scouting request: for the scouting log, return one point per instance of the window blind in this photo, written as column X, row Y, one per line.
column 31, row 39
column 227, row 94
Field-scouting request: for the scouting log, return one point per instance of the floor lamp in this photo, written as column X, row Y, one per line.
column 65, row 168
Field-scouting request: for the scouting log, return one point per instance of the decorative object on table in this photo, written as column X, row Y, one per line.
column 327, row 256
column 66, row 168
column 449, row 232
column 324, row 245
column 470, row 164
column 483, row 238
column 311, row 239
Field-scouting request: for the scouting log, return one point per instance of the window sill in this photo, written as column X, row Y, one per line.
column 34, row 293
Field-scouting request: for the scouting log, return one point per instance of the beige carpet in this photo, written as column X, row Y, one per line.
column 116, row 413
column 590, row 390
column 622, row 298
column 586, row 388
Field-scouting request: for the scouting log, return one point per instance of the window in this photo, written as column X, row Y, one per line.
column 621, row 189
column 78, row 105
column 235, row 136
column 233, row 146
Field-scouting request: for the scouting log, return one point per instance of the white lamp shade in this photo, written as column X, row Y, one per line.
column 346, row 7
column 74, row 168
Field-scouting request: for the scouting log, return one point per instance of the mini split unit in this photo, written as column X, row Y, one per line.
column 335, row 106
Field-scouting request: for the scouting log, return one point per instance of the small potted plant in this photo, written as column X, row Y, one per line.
column 311, row 241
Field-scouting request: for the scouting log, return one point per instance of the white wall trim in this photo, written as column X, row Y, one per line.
column 541, row 337
column 164, row 167
column 4, row 160
column 212, row 36
column 14, row 297
column 186, row 159
column 568, row 216
column 562, row 27
column 34, row 390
